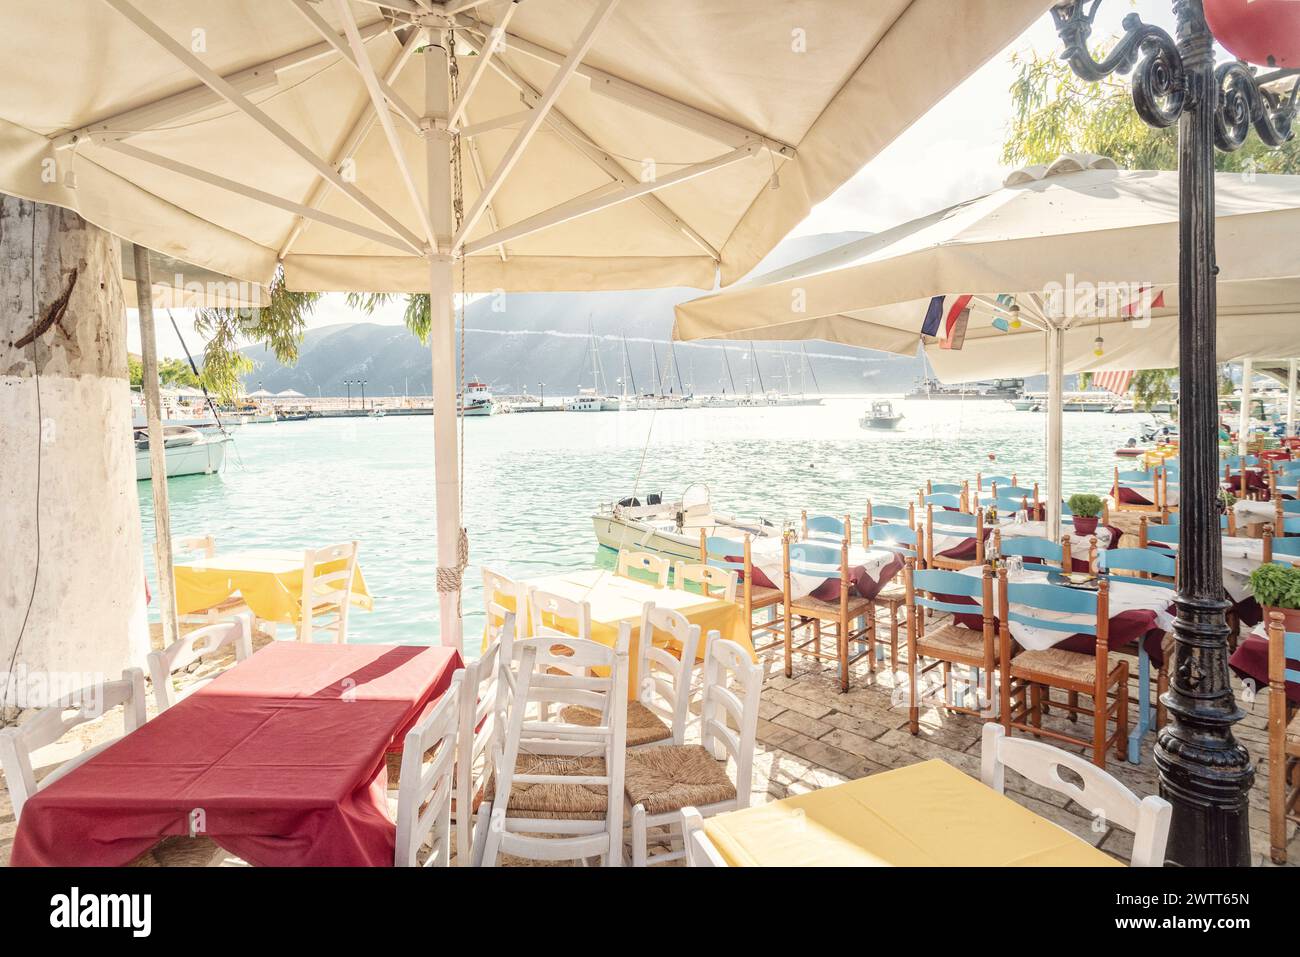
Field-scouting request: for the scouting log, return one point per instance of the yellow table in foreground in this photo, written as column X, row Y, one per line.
column 926, row 815
column 269, row 579
column 615, row 599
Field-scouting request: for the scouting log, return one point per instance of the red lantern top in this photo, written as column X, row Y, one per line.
column 1263, row 32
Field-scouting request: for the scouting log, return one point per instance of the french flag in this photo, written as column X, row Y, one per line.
column 941, row 319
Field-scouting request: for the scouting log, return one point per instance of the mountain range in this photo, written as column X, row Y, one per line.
column 531, row 342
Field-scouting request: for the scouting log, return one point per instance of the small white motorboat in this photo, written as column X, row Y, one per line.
column 670, row 528
column 188, row 452
column 881, row 416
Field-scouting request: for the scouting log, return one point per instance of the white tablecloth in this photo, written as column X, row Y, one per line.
column 1241, row 556
column 1123, row 596
column 766, row 556
column 1247, row 512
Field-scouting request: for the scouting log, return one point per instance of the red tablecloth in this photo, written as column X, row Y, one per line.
column 1250, row 662
column 965, row 552
column 280, row 760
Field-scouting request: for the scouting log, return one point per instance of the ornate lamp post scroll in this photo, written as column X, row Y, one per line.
column 1204, row 772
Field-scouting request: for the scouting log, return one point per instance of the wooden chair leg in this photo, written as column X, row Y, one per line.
column 1036, row 705
column 817, row 635
column 1162, row 685
column 1072, row 712
column 842, row 643
column 893, row 637
column 1121, row 713
column 789, row 656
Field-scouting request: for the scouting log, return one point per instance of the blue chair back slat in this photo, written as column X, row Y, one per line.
column 826, row 526
column 961, row 520
column 940, row 582
column 1290, row 506
column 1033, row 547
column 897, row 537
column 1290, row 526
column 1287, row 546
column 1173, row 518
column 889, row 513
column 1004, row 504
column 1016, row 491
column 987, row 481
column 1139, row 478
column 1137, row 560
column 949, row 488
column 943, row 500
column 1054, row 598
column 1291, row 650
column 807, row 558
column 716, row 550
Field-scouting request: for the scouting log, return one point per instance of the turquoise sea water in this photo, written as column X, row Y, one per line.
column 533, row 480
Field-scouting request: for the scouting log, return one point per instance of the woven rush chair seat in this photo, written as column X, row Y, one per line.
column 762, row 597
column 816, row 607
column 672, row 777
column 1058, row 664
column 1293, row 736
column 643, row 725
column 953, row 640
column 562, row 802
column 895, row 591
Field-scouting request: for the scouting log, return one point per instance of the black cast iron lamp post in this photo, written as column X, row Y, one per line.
column 1204, row 772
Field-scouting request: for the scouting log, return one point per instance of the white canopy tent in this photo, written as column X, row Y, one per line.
column 424, row 146
column 1057, row 258
column 261, row 394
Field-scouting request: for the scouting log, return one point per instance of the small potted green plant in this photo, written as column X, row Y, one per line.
column 1226, row 501
column 1277, row 589
column 1086, row 510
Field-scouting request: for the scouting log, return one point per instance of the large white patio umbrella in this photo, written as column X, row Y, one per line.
column 1034, row 258
column 414, row 145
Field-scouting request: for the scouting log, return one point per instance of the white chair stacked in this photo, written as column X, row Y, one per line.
column 558, row 789
column 661, row 710
column 561, row 617
column 1100, row 793
column 663, row 780
column 196, row 645
column 327, row 593
column 425, row 792
column 484, row 700
column 54, row 721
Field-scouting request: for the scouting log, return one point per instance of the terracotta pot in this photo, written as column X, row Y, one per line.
column 1084, row 526
column 1290, row 617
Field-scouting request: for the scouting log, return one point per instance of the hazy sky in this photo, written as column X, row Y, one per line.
column 951, row 154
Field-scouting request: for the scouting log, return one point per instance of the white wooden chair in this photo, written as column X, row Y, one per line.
column 499, row 593
column 327, row 593
column 661, row 710
column 49, row 724
column 205, row 546
column 715, row 582
column 558, row 789
column 424, row 792
column 1148, row 817
column 641, row 566
column 483, row 702
column 700, row 851
column 663, row 780
column 236, row 634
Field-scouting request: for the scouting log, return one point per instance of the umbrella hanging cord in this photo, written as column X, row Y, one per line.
column 449, row 579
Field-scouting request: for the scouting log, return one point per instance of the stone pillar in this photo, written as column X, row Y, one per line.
column 72, row 595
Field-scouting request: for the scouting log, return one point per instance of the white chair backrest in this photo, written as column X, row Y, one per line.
column 537, row 660
column 716, row 582
column 643, row 566
column 482, row 711
column 327, row 592
column 235, row 633
column 555, row 615
column 728, row 723
column 664, row 674
column 1147, row 818
column 204, row 545
column 49, row 724
column 501, row 595
column 424, row 792
column 700, row 851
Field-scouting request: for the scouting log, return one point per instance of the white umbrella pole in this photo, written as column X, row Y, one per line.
column 442, row 340
column 1055, row 424
column 1243, row 417
column 1290, row 398
column 162, row 548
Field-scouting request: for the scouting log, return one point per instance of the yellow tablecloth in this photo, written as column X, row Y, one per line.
column 270, row 581
column 926, row 815
column 614, row 600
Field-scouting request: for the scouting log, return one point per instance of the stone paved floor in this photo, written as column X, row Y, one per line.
column 811, row 736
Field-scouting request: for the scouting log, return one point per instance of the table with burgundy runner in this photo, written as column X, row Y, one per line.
column 870, row 570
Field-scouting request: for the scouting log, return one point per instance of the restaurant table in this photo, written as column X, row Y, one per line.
column 1108, row 536
column 615, row 599
column 870, row 570
column 268, row 579
column 280, row 760
column 1250, row 662
column 925, row 815
column 1248, row 512
column 961, row 547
